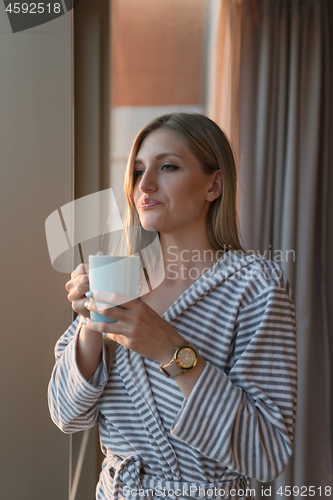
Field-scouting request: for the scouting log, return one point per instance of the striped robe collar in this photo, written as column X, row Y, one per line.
column 133, row 373
column 231, row 262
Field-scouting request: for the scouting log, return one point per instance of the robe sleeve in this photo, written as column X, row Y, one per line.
column 245, row 419
column 72, row 399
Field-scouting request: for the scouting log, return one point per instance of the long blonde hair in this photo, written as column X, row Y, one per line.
column 213, row 150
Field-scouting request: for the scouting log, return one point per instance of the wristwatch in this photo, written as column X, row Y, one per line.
column 184, row 358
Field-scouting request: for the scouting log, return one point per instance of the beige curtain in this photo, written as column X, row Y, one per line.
column 273, row 74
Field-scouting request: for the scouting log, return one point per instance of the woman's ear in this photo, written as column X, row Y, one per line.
column 216, row 187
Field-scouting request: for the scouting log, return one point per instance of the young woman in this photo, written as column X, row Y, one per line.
column 202, row 391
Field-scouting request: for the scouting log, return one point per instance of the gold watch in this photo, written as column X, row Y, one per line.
column 185, row 358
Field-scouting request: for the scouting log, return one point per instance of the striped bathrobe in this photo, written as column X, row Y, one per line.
column 239, row 419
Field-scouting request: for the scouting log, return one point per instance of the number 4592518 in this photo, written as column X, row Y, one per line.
column 304, row 491
column 33, row 8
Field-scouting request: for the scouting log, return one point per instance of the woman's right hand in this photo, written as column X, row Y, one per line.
column 77, row 287
column 89, row 347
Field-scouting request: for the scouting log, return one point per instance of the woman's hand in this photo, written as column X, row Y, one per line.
column 138, row 328
column 77, row 287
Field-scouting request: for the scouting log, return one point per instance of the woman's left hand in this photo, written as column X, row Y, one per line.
column 138, row 328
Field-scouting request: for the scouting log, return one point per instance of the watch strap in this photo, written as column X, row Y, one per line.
column 171, row 369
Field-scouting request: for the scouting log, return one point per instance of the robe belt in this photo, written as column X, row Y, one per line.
column 128, row 478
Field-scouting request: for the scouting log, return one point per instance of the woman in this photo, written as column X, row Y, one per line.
column 195, row 421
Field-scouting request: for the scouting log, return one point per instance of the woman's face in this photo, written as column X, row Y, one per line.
column 171, row 192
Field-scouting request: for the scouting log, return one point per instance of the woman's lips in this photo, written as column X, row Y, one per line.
column 149, row 203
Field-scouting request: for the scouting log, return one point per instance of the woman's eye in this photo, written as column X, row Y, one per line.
column 168, row 166
column 138, row 173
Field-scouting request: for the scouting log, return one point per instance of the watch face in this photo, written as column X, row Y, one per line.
column 186, row 358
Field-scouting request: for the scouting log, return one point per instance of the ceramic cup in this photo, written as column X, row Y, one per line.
column 113, row 274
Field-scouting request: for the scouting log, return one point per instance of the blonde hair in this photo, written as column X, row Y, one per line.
column 213, row 150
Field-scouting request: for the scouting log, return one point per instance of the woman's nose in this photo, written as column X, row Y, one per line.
column 148, row 182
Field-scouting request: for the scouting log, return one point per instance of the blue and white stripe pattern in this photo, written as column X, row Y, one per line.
column 239, row 418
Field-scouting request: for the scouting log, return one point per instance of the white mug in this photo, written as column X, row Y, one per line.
column 113, row 274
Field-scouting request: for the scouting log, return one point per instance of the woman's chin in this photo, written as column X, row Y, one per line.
column 150, row 224
column 148, row 228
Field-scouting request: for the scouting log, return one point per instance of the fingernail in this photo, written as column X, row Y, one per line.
column 89, row 294
column 84, row 321
column 86, row 304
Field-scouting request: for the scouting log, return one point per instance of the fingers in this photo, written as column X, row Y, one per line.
column 80, row 269
column 73, row 282
column 77, row 287
column 105, row 309
column 77, row 290
column 105, row 303
column 129, row 322
column 114, row 298
column 79, row 300
column 100, row 326
column 112, row 330
column 80, row 307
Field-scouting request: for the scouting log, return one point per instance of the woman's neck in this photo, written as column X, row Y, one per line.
column 187, row 256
